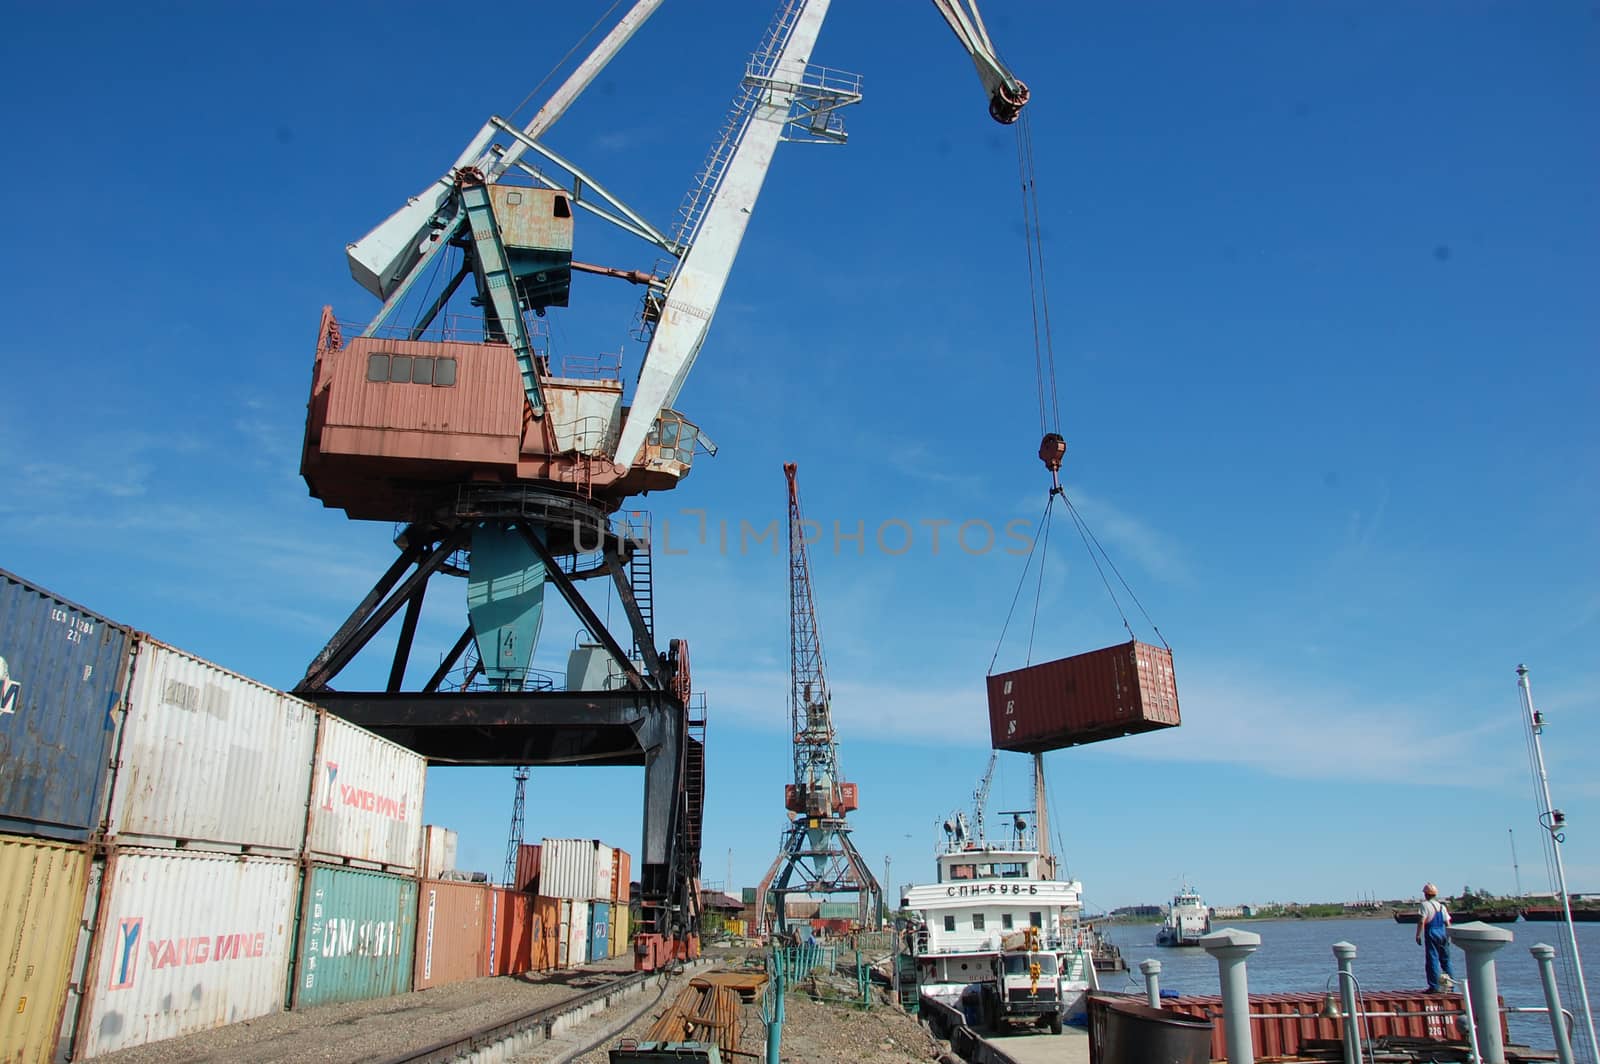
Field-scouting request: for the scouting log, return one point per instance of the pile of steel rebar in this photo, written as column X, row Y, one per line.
column 702, row 1012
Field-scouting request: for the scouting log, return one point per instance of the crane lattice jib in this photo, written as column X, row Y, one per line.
column 816, row 756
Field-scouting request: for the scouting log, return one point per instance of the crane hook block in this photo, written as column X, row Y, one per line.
column 1005, row 106
column 1051, row 450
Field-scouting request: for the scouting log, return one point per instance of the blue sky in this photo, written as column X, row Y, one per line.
column 1322, row 282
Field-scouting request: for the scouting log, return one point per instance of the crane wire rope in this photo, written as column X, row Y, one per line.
column 1049, row 402
column 1044, row 355
column 563, row 60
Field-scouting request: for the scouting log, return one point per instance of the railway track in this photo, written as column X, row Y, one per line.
column 504, row 1040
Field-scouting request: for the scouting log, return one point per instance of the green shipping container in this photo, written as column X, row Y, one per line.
column 748, row 895
column 357, row 939
column 838, row 910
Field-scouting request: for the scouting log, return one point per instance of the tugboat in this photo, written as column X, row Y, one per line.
column 1187, row 921
column 995, row 907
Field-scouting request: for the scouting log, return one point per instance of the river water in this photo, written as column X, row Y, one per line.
column 1297, row 955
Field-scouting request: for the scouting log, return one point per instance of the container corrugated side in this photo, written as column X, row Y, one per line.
column 366, row 799
column 41, row 903
column 527, row 874
column 599, row 930
column 1102, row 694
column 450, row 937
column 209, row 756
column 620, row 924
column 61, row 677
column 186, row 942
column 439, row 846
column 567, row 869
column 604, row 872
column 544, row 933
column 623, row 892
column 508, row 939
column 357, row 936
column 577, row 930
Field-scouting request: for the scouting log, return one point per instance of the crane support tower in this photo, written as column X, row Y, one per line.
column 816, row 855
column 444, row 417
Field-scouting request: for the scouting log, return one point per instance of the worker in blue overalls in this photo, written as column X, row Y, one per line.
column 1433, row 934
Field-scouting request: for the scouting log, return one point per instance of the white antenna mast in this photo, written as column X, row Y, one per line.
column 1555, row 821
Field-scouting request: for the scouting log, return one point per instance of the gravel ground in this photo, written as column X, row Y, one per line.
column 362, row 1031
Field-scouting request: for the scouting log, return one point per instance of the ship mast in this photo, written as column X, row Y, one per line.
column 1041, row 818
column 1554, row 822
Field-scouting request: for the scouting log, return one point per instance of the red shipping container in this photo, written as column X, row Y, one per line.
column 527, row 868
column 621, row 874
column 508, row 928
column 1104, row 694
column 847, row 797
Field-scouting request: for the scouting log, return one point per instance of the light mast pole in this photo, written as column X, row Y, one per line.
column 1554, row 820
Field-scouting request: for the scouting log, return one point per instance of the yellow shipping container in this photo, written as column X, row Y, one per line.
column 42, row 888
column 621, row 940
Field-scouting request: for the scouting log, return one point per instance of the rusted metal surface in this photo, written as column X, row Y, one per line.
column 451, row 939
column 1103, row 694
column 195, row 734
column 61, row 676
column 621, row 871
column 532, row 217
column 186, row 942
column 41, row 902
column 366, row 799
column 1281, row 1024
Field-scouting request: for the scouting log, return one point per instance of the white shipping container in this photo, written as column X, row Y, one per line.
column 604, row 858
column 438, row 851
column 209, row 756
column 187, row 941
column 366, row 798
column 567, row 869
column 578, row 935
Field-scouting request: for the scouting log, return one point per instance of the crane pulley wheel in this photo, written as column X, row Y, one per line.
column 1005, row 106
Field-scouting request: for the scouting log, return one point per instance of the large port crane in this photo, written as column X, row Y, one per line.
column 816, row 855
column 444, row 416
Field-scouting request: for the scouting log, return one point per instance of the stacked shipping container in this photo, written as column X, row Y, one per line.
column 220, row 792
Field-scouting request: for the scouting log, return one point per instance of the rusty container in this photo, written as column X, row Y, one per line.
column 508, row 941
column 1103, row 694
column 847, row 797
column 622, row 873
column 527, row 874
column 1281, row 1025
column 450, row 934
column 544, row 933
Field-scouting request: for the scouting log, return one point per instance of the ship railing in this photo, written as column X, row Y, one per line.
column 1437, row 1014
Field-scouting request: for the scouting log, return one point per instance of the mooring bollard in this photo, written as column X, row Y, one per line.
column 1345, row 954
column 1152, row 982
column 1480, row 942
column 1546, row 956
column 1230, row 947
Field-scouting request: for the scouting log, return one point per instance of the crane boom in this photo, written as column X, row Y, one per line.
column 816, row 752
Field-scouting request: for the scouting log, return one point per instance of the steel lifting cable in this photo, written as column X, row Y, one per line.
column 1044, row 354
column 1043, row 524
column 563, row 60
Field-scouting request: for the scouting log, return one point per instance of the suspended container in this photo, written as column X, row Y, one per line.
column 509, row 932
column 186, row 942
column 544, row 933
column 569, row 868
column 450, row 933
column 61, row 675
column 357, row 936
column 41, row 903
column 1104, row 694
column 599, row 930
column 438, row 851
column 209, row 758
column 366, row 799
